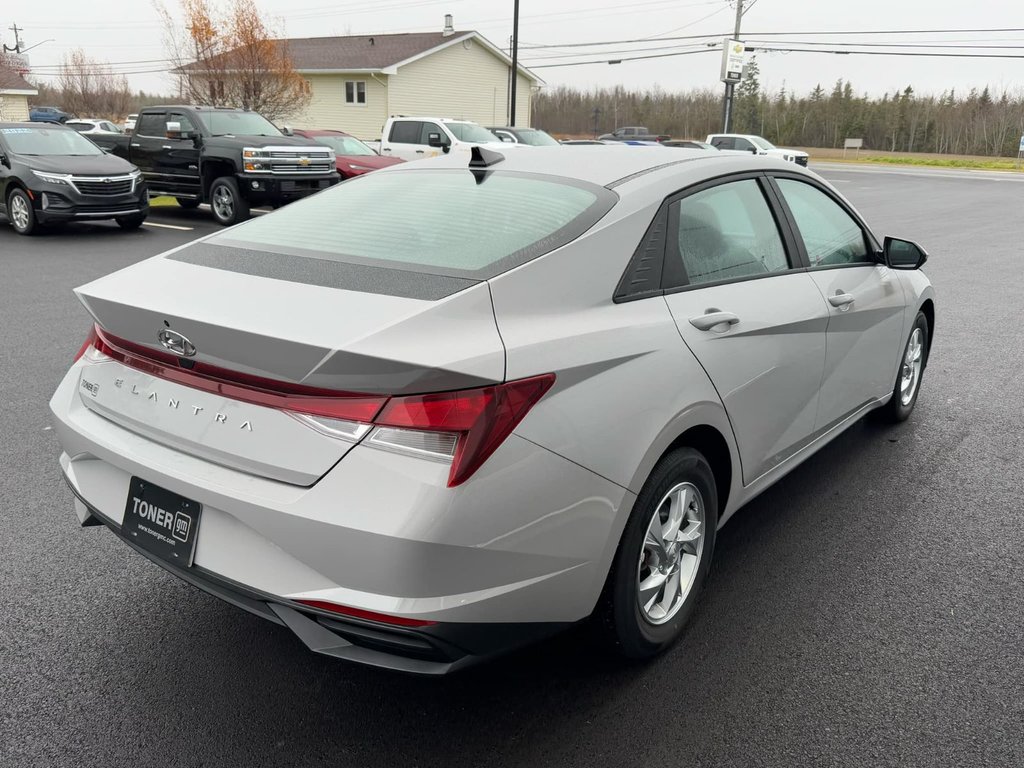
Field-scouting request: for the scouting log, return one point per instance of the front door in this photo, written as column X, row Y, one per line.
column 751, row 316
column 865, row 301
column 404, row 140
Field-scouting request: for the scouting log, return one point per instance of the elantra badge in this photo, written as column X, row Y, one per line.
column 176, row 342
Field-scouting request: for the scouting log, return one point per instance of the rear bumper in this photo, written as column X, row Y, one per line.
column 515, row 554
column 435, row 650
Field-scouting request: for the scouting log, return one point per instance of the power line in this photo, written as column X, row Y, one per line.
column 896, row 53
column 628, row 58
column 780, row 34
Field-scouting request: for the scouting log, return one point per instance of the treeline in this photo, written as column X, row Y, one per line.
column 972, row 123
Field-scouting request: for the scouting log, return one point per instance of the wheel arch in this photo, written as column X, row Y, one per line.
column 213, row 169
column 928, row 308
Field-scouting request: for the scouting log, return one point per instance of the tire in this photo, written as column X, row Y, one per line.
column 129, row 223
column 910, row 373
column 21, row 213
column 188, row 203
column 227, row 203
column 635, row 627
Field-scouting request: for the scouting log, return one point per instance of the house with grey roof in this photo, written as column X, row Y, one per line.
column 14, row 93
column 358, row 81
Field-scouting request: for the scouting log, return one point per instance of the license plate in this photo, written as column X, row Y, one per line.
column 161, row 522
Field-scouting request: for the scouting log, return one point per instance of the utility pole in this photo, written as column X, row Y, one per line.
column 730, row 87
column 515, row 64
column 17, row 40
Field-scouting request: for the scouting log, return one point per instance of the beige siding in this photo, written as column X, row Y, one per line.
column 13, row 107
column 459, row 82
column 327, row 108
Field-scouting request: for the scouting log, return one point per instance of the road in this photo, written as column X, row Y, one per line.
column 866, row 611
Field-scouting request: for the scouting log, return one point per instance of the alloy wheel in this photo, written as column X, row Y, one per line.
column 223, row 203
column 910, row 371
column 19, row 212
column 671, row 553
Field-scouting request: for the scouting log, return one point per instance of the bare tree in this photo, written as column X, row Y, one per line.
column 89, row 88
column 227, row 54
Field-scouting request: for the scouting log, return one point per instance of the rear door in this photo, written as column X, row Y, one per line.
column 750, row 314
column 403, row 140
column 865, row 299
column 147, row 144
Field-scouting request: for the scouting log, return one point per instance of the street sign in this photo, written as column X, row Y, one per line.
column 1021, row 149
column 733, row 57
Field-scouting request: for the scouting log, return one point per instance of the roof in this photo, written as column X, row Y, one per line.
column 608, row 165
column 12, row 82
column 377, row 53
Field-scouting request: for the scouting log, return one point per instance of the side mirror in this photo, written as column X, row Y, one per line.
column 434, row 140
column 903, row 254
column 753, row 150
column 287, row 130
column 4, row 160
column 173, row 130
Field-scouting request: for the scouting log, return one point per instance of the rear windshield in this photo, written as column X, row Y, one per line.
column 458, row 223
column 48, row 141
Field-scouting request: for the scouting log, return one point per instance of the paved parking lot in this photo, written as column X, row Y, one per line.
column 868, row 610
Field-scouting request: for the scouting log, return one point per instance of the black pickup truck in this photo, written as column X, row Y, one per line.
column 230, row 158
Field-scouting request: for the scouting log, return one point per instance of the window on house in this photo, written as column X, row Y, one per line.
column 355, row 91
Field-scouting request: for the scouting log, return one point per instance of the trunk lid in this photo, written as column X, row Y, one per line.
column 288, row 322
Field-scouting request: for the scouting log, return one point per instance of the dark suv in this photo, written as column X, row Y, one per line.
column 51, row 173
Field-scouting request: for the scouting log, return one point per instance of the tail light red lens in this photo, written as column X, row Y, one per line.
column 359, row 613
column 480, row 419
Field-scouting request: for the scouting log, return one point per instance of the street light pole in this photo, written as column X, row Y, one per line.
column 515, row 64
column 730, row 87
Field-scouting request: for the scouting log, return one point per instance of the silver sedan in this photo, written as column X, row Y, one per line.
column 455, row 406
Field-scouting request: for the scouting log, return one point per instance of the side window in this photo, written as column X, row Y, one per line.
column 355, row 92
column 429, row 128
column 405, row 132
column 723, row 233
column 831, row 236
column 743, row 144
column 723, row 142
column 187, row 126
column 153, row 124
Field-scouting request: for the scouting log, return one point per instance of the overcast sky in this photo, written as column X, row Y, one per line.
column 132, row 35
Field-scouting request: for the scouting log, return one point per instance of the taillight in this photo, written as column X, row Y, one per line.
column 463, row 427
column 474, row 421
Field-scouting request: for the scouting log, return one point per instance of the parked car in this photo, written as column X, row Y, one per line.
column 352, row 157
column 689, row 144
column 585, row 142
column 50, row 174
column 129, row 122
column 417, row 440
column 48, row 115
column 757, row 145
column 635, row 133
column 230, row 158
column 532, row 137
column 92, row 125
column 415, row 138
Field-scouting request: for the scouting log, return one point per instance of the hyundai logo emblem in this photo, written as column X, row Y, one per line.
column 176, row 343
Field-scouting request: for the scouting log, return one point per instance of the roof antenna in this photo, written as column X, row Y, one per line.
column 483, row 158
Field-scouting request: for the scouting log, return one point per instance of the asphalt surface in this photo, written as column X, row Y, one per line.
column 866, row 611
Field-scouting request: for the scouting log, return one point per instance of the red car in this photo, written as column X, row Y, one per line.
column 353, row 157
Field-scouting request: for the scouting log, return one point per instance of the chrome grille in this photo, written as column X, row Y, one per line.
column 103, row 186
column 313, row 167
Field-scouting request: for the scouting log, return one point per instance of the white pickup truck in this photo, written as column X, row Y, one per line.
column 758, row 145
column 414, row 138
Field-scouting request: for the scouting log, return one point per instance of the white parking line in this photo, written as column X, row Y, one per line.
column 167, row 226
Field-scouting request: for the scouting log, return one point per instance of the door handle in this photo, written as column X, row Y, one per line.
column 135, row 144
column 841, row 299
column 419, row 151
column 166, row 146
column 711, row 318
column 386, row 149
